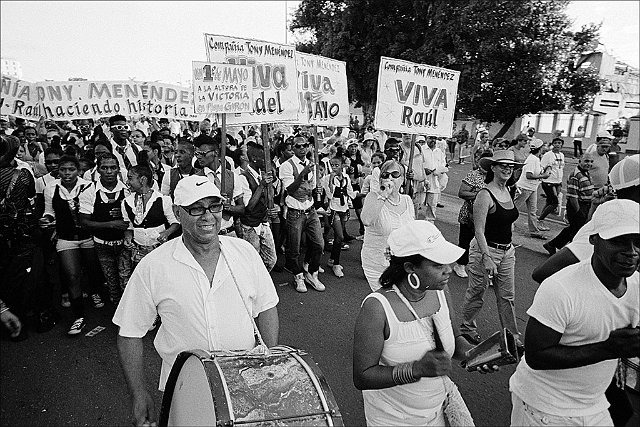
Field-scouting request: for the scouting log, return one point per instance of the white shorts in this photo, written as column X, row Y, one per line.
column 66, row 245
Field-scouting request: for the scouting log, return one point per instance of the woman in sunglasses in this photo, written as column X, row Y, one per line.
column 385, row 210
column 492, row 257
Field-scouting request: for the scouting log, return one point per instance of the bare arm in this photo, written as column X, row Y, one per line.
column 544, row 351
column 368, row 342
column 131, row 358
column 371, row 208
column 466, row 192
column 561, row 259
column 269, row 326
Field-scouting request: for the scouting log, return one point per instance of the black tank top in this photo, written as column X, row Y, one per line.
column 498, row 226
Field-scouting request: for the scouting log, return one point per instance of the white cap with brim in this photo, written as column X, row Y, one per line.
column 506, row 157
column 616, row 218
column 420, row 237
column 625, row 173
column 192, row 188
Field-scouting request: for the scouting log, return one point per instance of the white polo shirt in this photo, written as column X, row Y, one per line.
column 196, row 314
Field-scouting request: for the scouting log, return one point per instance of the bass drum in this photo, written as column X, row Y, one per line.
column 282, row 388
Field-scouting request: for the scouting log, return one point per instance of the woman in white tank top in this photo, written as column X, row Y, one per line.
column 404, row 339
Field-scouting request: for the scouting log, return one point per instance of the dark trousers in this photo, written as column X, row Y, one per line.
column 337, row 220
column 299, row 223
column 22, row 284
column 551, row 191
column 577, row 147
column 465, row 236
column 576, row 221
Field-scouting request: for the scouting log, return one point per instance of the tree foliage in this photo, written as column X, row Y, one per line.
column 515, row 58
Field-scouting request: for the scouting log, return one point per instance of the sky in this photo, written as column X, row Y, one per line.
column 156, row 41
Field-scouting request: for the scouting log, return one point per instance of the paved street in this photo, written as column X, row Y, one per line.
column 50, row 379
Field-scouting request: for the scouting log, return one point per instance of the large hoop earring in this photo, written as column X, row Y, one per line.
column 415, row 278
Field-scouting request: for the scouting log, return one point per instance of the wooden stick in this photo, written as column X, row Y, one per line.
column 267, row 162
column 410, row 167
column 316, row 160
column 223, row 155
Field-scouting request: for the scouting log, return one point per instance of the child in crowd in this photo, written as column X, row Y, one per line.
column 149, row 213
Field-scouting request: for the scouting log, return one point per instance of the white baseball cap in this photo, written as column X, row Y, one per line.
column 616, row 218
column 192, row 188
column 420, row 138
column 421, row 237
column 625, row 173
column 535, row 143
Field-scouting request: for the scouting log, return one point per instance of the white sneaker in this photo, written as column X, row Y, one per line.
column 305, row 267
column 312, row 279
column 77, row 326
column 460, row 270
column 299, row 282
column 337, row 270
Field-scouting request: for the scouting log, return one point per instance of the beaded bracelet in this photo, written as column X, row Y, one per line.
column 403, row 374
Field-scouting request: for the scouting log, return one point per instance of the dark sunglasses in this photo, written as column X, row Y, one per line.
column 300, row 145
column 394, row 174
column 202, row 153
column 200, row 210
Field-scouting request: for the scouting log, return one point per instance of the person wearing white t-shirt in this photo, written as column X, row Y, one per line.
column 435, row 163
column 532, row 174
column 211, row 292
column 582, row 320
column 624, row 180
column 552, row 185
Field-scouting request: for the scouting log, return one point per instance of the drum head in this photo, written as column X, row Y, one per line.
column 191, row 402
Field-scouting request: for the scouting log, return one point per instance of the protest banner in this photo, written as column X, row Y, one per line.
column 415, row 98
column 323, row 91
column 72, row 100
column 274, row 76
column 18, row 98
column 222, row 88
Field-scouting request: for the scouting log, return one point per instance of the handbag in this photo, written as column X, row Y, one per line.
column 454, row 407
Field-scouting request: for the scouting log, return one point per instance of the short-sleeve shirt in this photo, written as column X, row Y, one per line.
column 285, row 173
column 195, row 313
column 43, row 181
column 532, row 164
column 148, row 236
column 576, row 304
column 556, row 161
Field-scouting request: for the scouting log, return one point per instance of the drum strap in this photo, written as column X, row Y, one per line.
column 256, row 331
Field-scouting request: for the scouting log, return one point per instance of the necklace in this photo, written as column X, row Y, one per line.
column 401, row 295
column 388, row 199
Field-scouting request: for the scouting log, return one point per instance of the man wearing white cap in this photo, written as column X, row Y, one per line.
column 582, row 320
column 207, row 289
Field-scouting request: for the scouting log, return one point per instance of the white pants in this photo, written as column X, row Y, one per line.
column 526, row 415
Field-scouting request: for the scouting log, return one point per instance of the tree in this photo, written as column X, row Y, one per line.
column 515, row 58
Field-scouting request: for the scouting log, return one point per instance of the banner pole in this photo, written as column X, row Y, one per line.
column 223, row 154
column 264, row 129
column 410, row 167
column 316, row 160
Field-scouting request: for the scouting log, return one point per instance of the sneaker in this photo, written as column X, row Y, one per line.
column 460, row 270
column 77, row 326
column 337, row 270
column 345, row 247
column 330, row 263
column 97, row 301
column 439, row 205
column 543, row 227
column 299, row 283
column 65, row 301
column 312, row 279
column 305, row 267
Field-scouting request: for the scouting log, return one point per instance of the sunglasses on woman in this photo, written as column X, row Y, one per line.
column 120, row 127
column 393, row 174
